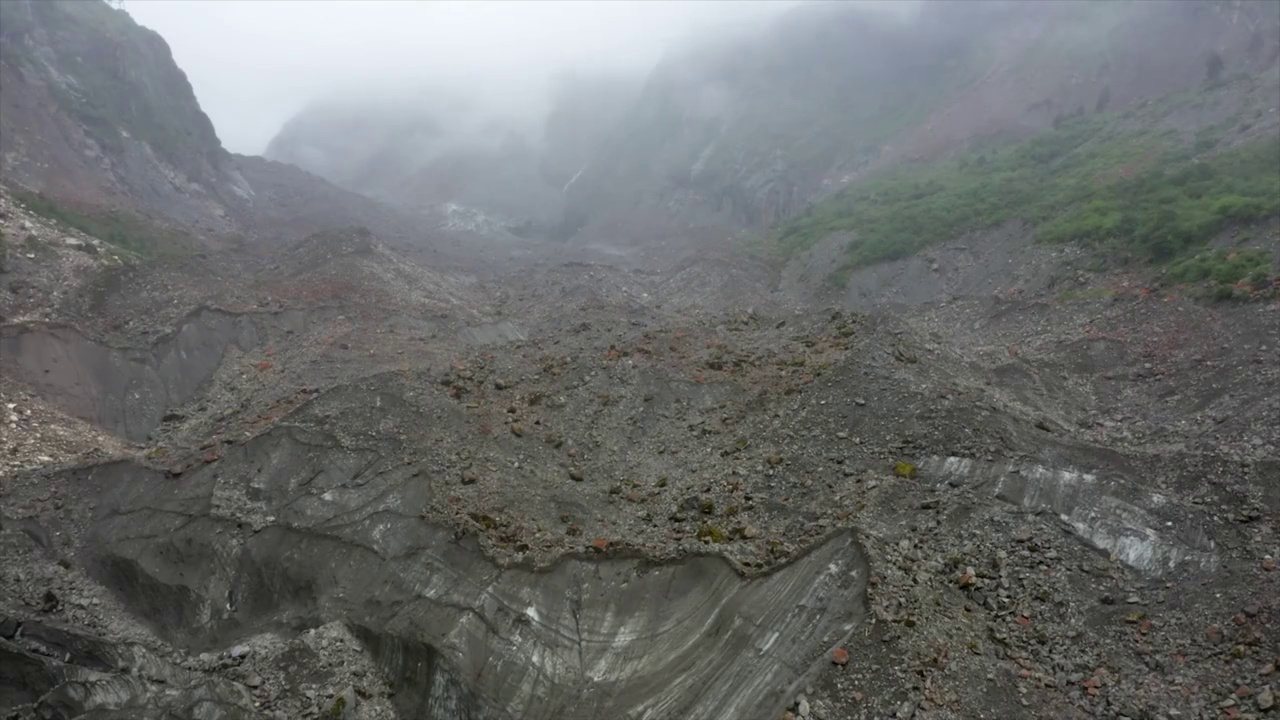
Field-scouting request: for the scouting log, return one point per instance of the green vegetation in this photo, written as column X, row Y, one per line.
column 713, row 534
column 1226, row 271
column 124, row 230
column 1131, row 195
column 904, row 469
column 1175, row 205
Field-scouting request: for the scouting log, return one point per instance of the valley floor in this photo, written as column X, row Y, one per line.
column 336, row 481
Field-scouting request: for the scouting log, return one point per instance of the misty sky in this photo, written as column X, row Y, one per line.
column 254, row 63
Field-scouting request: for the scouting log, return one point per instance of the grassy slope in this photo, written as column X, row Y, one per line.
column 1129, row 193
column 123, row 230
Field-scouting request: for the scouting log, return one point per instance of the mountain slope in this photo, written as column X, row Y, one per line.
column 96, row 113
column 101, row 131
column 1125, row 185
column 744, row 134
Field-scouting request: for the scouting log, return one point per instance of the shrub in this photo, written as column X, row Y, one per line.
column 1225, row 271
column 711, row 533
column 1126, row 194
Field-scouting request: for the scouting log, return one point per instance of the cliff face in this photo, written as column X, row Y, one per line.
column 740, row 135
column 96, row 113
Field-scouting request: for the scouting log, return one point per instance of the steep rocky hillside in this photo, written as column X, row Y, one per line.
column 96, row 114
column 583, row 110
column 1185, row 190
column 743, row 134
column 101, row 132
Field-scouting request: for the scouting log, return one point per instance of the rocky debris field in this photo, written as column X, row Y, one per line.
column 1146, row 370
column 37, row 435
column 42, row 262
column 70, row 645
column 1067, row 509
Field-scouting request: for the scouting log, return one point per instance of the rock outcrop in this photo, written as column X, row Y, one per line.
column 97, row 114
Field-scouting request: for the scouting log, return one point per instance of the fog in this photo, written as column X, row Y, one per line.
column 253, row 65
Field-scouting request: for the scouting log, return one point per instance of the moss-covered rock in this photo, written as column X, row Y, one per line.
column 712, row 533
